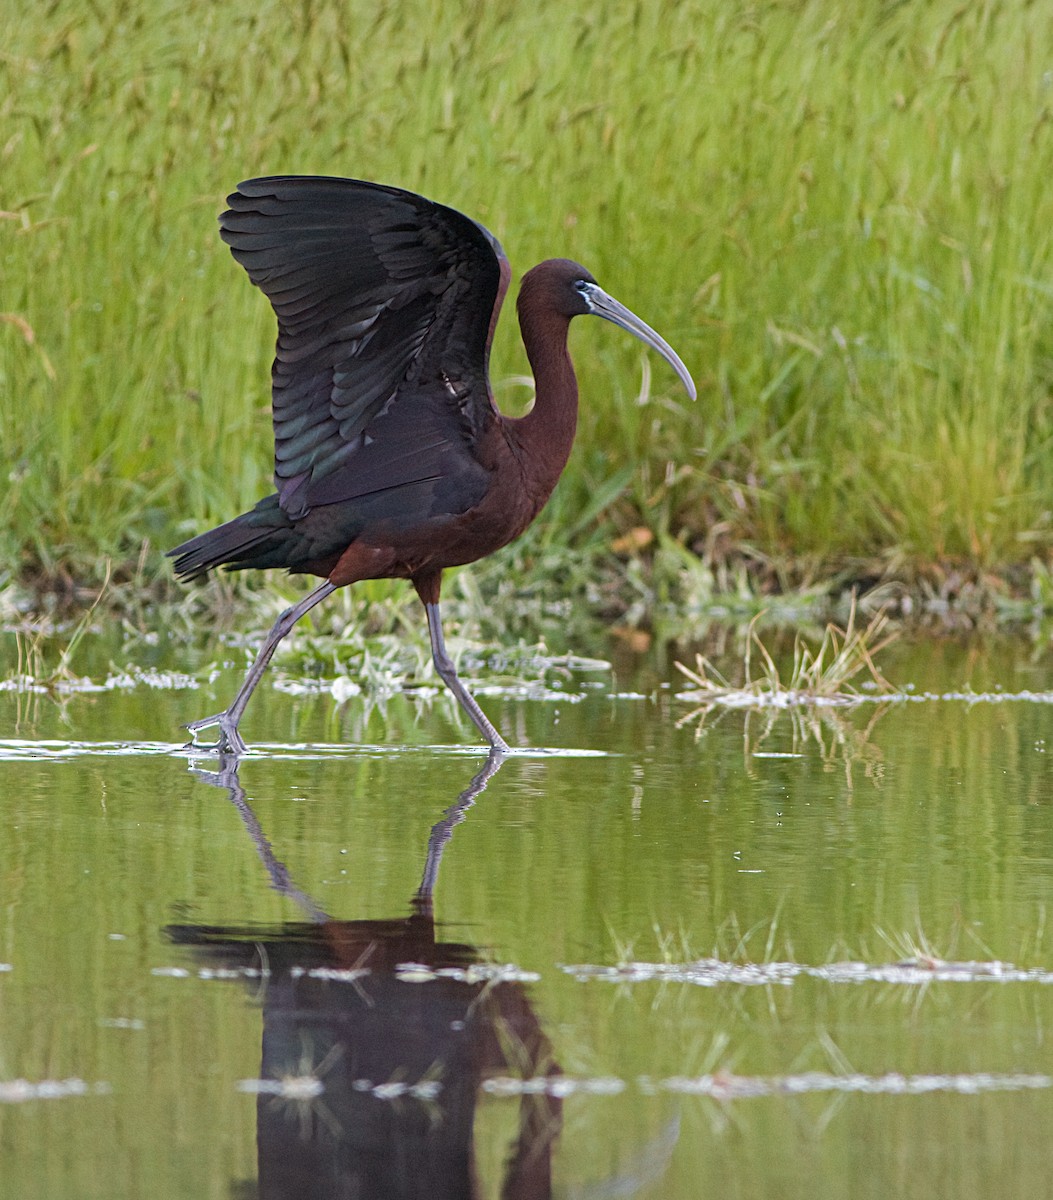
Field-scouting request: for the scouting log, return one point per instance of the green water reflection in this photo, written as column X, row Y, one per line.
column 135, row 890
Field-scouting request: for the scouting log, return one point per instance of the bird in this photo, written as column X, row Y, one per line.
column 391, row 457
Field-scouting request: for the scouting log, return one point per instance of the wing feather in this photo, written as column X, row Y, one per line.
column 380, row 296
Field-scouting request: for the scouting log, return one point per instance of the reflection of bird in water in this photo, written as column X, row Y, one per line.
column 376, row 1039
column 370, row 1074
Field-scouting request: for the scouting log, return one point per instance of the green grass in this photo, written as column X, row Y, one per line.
column 839, row 215
column 825, row 673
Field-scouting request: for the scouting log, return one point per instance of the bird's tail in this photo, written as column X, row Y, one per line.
column 264, row 537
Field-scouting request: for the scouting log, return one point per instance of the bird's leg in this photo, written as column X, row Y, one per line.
column 448, row 674
column 229, row 737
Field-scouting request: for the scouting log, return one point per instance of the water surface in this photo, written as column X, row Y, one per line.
column 677, row 953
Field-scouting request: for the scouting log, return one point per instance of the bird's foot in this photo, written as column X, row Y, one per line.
column 229, row 740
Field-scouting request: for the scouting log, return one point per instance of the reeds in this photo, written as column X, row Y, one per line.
column 840, row 217
column 822, row 674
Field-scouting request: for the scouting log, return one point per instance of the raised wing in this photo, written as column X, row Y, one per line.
column 379, row 293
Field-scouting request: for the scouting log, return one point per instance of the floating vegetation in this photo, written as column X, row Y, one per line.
column 559, row 1086
column 819, row 687
column 473, row 974
column 340, row 689
column 714, row 972
column 341, row 666
column 1022, row 697
column 126, row 679
column 332, row 974
column 308, row 1085
column 705, row 972
column 209, row 973
column 823, row 676
column 725, row 1086
column 17, row 1091
column 427, row 1089
column 297, row 1087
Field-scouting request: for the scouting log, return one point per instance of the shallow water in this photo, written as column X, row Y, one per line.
column 675, row 953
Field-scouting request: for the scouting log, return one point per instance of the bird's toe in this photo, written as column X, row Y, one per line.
column 228, row 739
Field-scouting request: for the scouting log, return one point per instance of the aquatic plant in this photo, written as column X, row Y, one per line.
column 823, row 674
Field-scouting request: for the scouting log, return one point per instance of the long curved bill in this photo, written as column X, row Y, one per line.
column 610, row 309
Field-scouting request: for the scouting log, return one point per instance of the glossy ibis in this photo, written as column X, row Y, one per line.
column 391, row 457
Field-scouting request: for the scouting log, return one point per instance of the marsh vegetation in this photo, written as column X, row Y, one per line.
column 840, row 216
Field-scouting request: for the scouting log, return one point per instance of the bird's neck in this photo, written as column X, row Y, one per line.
column 546, row 434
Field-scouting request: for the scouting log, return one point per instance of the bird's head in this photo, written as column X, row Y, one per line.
column 564, row 287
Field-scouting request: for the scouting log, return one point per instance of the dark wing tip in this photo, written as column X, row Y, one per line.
column 369, row 283
column 331, row 195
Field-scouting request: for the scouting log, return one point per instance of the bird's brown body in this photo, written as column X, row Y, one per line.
column 391, row 457
column 524, row 457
